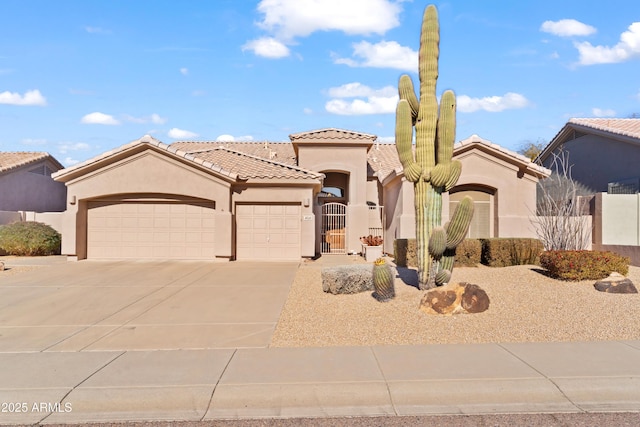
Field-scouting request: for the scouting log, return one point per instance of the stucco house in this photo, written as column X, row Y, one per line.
column 604, row 154
column 316, row 194
column 26, row 183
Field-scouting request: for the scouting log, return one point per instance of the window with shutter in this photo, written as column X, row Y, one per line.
column 480, row 227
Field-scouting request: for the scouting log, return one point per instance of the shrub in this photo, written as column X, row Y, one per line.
column 29, row 238
column 406, row 253
column 504, row 252
column 583, row 265
column 469, row 253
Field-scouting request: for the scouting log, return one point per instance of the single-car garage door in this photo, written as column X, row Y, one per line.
column 268, row 232
column 150, row 230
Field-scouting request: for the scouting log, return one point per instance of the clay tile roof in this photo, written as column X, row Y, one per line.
column 624, row 127
column 248, row 166
column 331, row 134
column 16, row 159
column 281, row 152
column 383, row 159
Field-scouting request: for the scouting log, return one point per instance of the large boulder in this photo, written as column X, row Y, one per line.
column 455, row 298
column 1, row 266
column 347, row 279
column 616, row 284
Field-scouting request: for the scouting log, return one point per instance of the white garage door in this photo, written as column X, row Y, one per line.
column 268, row 232
column 150, row 230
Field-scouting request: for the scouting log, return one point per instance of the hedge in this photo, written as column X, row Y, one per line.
column 583, row 265
column 504, row 252
column 29, row 239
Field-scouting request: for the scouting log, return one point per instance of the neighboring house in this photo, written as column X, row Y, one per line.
column 26, row 183
column 604, row 154
column 274, row 201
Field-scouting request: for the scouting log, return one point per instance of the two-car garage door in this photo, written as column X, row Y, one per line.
column 186, row 230
column 151, row 230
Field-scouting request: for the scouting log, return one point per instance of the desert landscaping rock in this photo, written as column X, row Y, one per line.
column 455, row 298
column 616, row 284
column 347, row 279
column 1, row 266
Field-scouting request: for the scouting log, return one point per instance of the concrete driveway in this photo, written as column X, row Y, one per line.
column 139, row 305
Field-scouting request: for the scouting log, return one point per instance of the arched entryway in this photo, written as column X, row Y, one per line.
column 332, row 203
column 483, row 224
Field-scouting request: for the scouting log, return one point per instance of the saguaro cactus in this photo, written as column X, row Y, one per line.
column 432, row 170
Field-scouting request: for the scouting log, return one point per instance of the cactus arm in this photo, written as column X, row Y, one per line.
column 458, row 227
column 406, row 91
column 404, row 139
column 446, row 127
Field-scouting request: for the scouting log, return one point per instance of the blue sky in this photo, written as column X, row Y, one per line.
column 80, row 77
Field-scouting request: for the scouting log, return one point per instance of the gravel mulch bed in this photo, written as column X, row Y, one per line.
column 526, row 306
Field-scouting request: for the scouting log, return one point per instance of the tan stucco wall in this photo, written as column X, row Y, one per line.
column 302, row 196
column 514, row 198
column 597, row 161
column 145, row 174
column 21, row 190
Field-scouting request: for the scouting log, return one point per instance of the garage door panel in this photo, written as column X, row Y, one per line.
column 150, row 230
column 268, row 232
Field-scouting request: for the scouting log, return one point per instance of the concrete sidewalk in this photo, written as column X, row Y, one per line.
column 192, row 385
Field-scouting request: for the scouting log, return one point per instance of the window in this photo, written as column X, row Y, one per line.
column 331, row 192
column 480, row 227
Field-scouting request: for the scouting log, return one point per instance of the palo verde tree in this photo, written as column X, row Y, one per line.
column 432, row 169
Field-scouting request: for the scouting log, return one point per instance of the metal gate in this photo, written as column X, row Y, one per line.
column 334, row 228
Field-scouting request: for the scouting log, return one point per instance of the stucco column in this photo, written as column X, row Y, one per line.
column 69, row 231
column 224, row 227
column 357, row 226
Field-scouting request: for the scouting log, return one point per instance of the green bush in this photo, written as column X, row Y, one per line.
column 29, row 238
column 505, row 252
column 406, row 253
column 583, row 265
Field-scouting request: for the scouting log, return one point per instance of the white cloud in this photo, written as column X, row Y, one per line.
column 267, row 47
column 65, row 147
column 493, row 104
column 382, row 55
column 68, row 161
column 567, row 28
column 373, row 105
column 285, row 20
column 30, row 97
column 184, row 71
column 231, row 138
column 98, row 118
column 307, row 110
column 299, row 18
column 176, row 133
column 378, row 101
column 153, row 118
column 599, row 112
column 627, row 48
column 356, row 89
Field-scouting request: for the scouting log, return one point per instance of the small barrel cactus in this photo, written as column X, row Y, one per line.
column 383, row 281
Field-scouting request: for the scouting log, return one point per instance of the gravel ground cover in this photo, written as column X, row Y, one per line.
column 526, row 306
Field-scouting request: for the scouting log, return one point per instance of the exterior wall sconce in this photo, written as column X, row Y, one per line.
column 306, row 202
column 73, row 200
